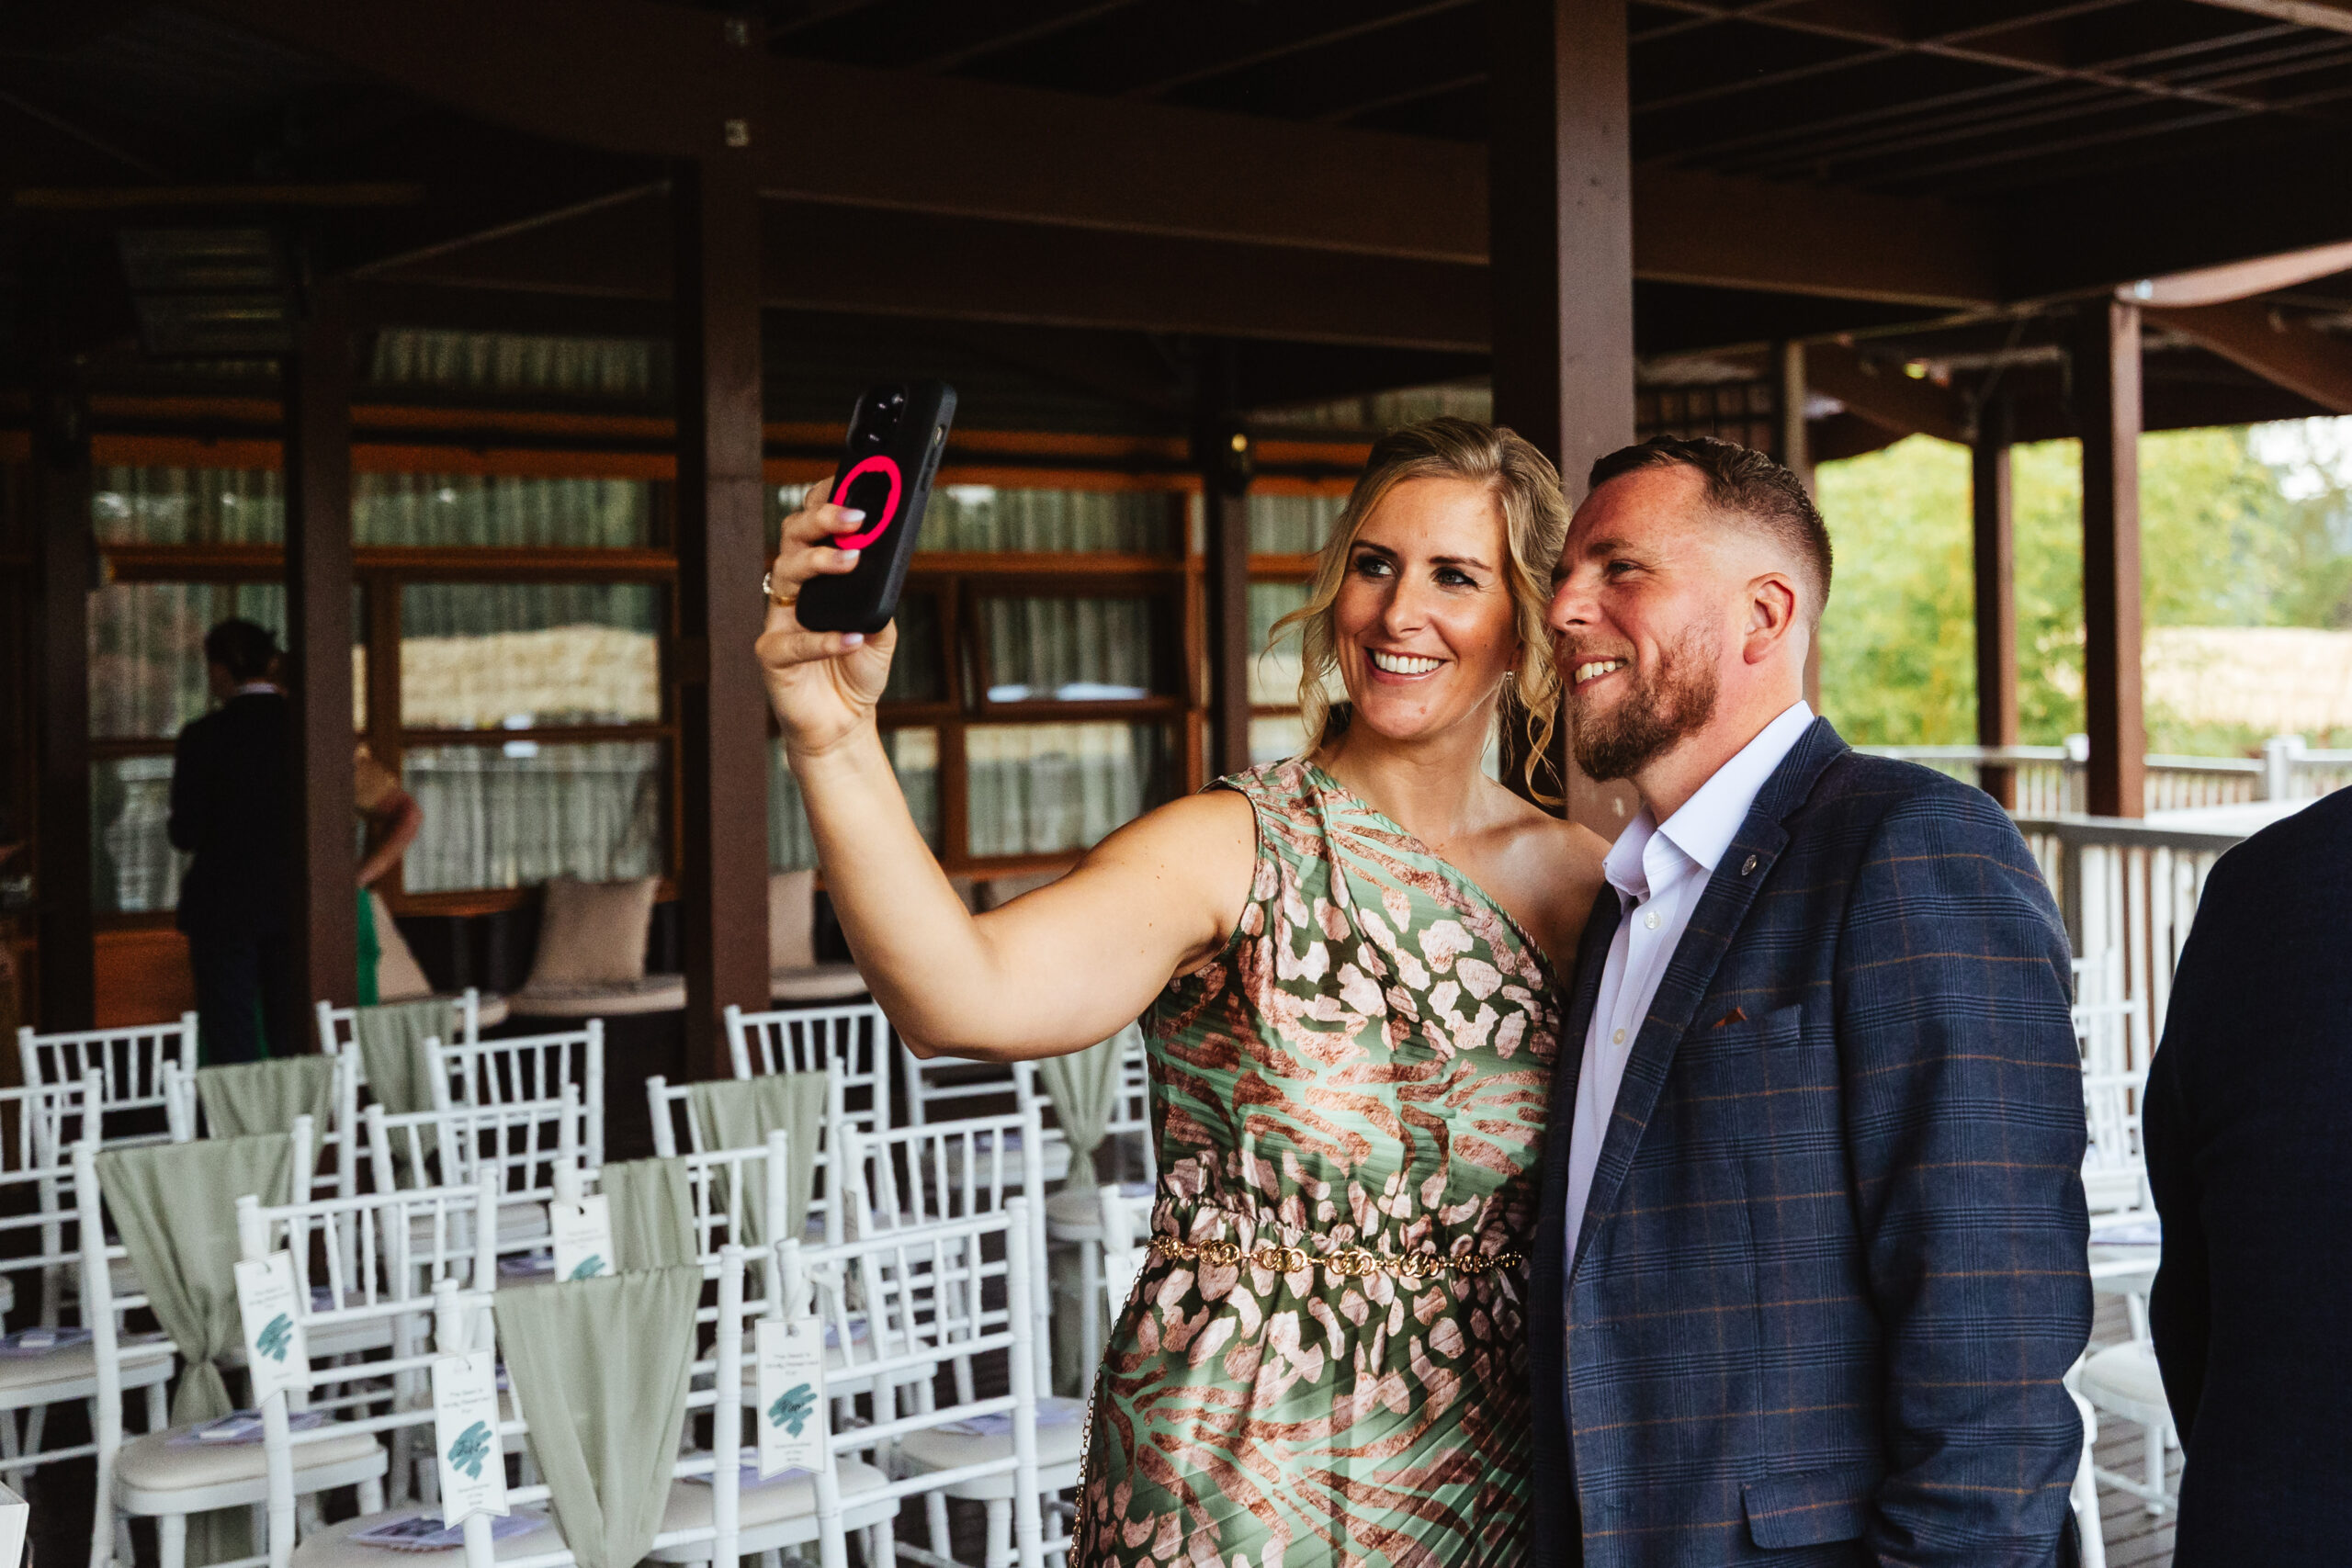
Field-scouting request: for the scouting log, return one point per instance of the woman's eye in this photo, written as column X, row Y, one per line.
column 1371, row 566
column 1453, row 577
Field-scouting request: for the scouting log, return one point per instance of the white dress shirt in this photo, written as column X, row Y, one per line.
column 1660, row 871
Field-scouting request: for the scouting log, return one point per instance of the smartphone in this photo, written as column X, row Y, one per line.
column 895, row 435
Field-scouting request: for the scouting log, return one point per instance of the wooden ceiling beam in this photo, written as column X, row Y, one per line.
column 1884, row 396
column 659, row 81
column 2333, row 16
column 2270, row 344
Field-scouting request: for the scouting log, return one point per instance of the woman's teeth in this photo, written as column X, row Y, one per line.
column 1594, row 669
column 1403, row 663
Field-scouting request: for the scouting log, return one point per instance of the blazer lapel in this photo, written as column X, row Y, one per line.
column 1729, row 894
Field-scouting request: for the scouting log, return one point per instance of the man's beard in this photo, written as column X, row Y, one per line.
column 1674, row 700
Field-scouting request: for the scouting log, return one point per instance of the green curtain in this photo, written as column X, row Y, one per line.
column 265, row 1097
column 391, row 1047
column 599, row 1367
column 1084, row 1087
column 652, row 1213
column 175, row 1206
column 739, row 1113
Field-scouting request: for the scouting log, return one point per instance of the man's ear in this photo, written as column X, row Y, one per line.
column 1773, row 608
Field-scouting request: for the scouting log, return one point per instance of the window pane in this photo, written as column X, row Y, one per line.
column 188, row 506
column 914, row 668
column 637, row 370
column 1273, row 673
column 1275, row 739
column 135, row 868
column 483, row 656
column 986, row 517
column 1292, row 524
column 1088, row 650
column 914, row 757
column 474, row 508
column 514, row 816
column 146, row 645
column 1041, row 788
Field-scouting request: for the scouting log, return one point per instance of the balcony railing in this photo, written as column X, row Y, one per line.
column 2050, row 780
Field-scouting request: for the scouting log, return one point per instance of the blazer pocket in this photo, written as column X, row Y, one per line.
column 1812, row 1509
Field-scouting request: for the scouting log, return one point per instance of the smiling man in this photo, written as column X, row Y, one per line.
column 1812, row 1260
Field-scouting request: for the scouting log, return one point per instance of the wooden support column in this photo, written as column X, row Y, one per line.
column 715, row 209
column 60, row 495
column 1796, row 455
column 2107, row 397
column 1996, row 597
column 1223, row 451
column 318, row 647
column 1561, row 230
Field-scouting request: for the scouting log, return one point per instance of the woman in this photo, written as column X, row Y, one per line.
column 1345, row 961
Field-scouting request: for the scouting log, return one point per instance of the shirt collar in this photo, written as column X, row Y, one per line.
column 1708, row 821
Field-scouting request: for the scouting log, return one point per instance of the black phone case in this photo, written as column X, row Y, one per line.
column 895, row 435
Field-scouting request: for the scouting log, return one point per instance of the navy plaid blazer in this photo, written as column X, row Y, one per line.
column 1833, row 1265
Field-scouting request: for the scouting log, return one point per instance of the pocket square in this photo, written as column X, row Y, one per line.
column 1736, row 1015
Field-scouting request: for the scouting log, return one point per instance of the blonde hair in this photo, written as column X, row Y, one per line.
column 1536, row 524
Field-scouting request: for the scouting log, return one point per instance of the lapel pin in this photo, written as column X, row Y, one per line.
column 1747, row 865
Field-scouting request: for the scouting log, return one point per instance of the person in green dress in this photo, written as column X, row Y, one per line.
column 1344, row 966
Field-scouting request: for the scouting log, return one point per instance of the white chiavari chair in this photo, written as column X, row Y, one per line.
column 852, row 1043
column 527, row 1069
column 672, row 1109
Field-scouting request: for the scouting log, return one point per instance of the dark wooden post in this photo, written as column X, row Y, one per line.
column 715, row 208
column 2107, row 396
column 318, row 645
column 1223, row 453
column 1996, row 597
column 1560, row 219
column 1796, row 454
column 60, row 496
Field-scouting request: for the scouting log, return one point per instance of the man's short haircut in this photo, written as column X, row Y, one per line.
column 243, row 649
column 1745, row 483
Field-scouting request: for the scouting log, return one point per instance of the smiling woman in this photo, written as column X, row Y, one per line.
column 1343, row 962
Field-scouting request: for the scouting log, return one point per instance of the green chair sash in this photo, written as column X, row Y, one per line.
column 391, row 1047
column 599, row 1367
column 652, row 1213
column 1084, row 1087
column 265, row 1097
column 739, row 1113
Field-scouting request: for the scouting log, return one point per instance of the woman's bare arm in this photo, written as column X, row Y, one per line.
column 1049, row 974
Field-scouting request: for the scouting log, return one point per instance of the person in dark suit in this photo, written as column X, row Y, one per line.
column 1813, row 1256
column 2245, row 1121
column 234, row 809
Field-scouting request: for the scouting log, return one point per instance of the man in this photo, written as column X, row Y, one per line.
column 1812, row 1258
column 234, row 809
column 2243, row 1118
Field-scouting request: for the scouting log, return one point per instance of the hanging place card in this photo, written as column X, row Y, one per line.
column 467, row 1450
column 792, row 1394
column 266, row 1300
column 583, row 1237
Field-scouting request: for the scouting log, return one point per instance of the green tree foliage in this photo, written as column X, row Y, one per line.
column 2223, row 543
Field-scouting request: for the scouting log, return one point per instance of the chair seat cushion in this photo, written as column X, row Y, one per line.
column 1061, row 1432
column 152, row 1462
column 816, row 983
column 653, row 993
column 2123, row 1379
column 334, row 1548
column 71, row 1372
column 792, row 1495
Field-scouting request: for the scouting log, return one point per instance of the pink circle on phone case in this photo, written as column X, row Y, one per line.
column 877, row 464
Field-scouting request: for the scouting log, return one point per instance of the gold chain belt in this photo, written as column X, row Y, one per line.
column 1348, row 1262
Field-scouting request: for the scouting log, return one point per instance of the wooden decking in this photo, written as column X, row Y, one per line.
column 2135, row 1538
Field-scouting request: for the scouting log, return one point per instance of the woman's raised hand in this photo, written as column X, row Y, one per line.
column 823, row 685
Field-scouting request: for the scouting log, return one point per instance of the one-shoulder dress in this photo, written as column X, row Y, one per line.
column 1364, row 1068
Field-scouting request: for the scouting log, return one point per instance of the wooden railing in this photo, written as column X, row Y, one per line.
column 2050, row 780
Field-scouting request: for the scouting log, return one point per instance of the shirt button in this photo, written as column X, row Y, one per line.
column 1618, row 1038
column 1650, row 920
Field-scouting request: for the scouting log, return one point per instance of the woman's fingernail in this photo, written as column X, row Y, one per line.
column 853, row 514
column 853, row 640
column 852, row 555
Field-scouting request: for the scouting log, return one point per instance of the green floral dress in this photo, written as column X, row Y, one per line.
column 1367, row 1065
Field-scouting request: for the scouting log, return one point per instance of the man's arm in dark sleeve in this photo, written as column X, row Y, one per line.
column 2180, row 1303
column 185, row 826
column 1964, row 1129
